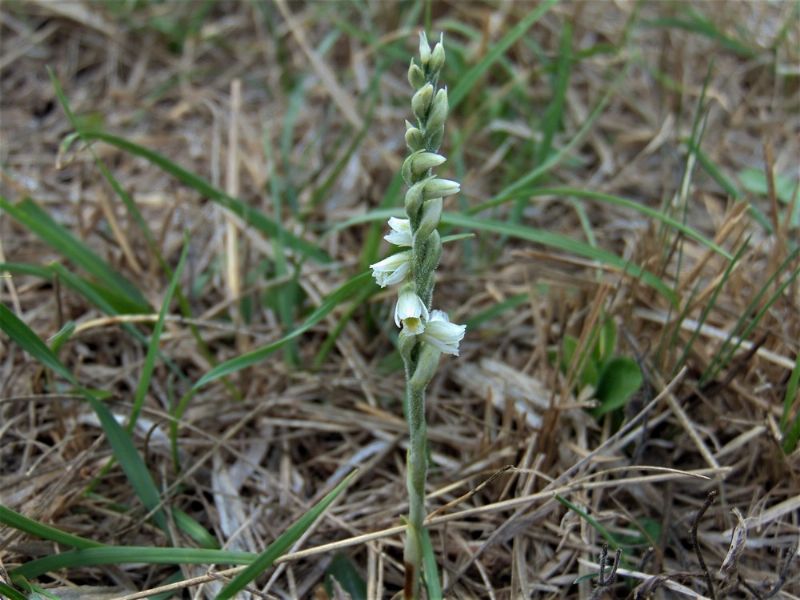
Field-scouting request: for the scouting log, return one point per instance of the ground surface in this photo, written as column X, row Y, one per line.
column 593, row 102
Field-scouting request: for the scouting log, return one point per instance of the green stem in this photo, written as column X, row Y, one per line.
column 417, row 469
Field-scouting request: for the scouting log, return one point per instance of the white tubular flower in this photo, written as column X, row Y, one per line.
column 442, row 334
column 393, row 269
column 410, row 311
column 401, row 232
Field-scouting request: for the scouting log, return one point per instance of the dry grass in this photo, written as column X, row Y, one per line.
column 507, row 430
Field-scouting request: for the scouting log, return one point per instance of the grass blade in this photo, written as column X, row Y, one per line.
column 245, row 360
column 614, row 200
column 247, row 213
column 20, row 522
column 119, row 555
column 531, row 234
column 20, row 333
column 152, row 348
column 469, row 79
column 283, row 543
column 429, row 567
column 121, row 443
column 29, row 214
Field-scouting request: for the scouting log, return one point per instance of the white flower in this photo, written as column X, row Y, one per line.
column 392, row 269
column 442, row 334
column 411, row 311
column 401, row 232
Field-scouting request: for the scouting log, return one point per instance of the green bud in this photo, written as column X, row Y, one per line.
column 421, row 101
column 406, row 170
column 414, row 139
column 413, row 200
column 437, row 57
column 424, row 49
column 438, row 113
column 416, row 77
column 426, row 367
column 424, row 161
column 433, row 137
column 431, row 215
column 437, row 188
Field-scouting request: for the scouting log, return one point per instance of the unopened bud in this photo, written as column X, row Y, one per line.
column 414, row 139
column 438, row 113
column 437, row 57
column 421, row 101
column 424, row 49
column 405, row 170
column 422, row 162
column 437, row 188
column 415, row 75
column 431, row 215
column 413, row 200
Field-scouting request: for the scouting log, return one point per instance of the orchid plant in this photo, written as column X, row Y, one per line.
column 425, row 333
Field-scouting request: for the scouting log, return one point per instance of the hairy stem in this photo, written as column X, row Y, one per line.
column 417, row 469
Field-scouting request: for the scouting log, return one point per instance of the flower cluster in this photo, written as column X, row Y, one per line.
column 413, row 268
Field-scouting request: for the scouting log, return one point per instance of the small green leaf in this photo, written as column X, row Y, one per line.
column 606, row 342
column 588, row 374
column 619, row 380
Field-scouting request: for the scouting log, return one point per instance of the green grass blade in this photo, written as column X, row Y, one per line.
column 131, row 462
column 729, row 348
column 155, row 338
column 792, row 398
column 279, row 547
column 245, row 360
column 11, row 518
column 284, row 295
column 694, row 22
column 430, row 569
column 247, row 213
column 26, row 269
column 119, row 555
column 709, row 305
column 469, row 79
column 496, row 310
column 194, row 530
column 604, row 533
column 10, row 593
column 539, row 236
column 121, row 443
column 561, row 242
column 609, row 199
column 555, row 159
column 62, row 241
column 31, row 343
